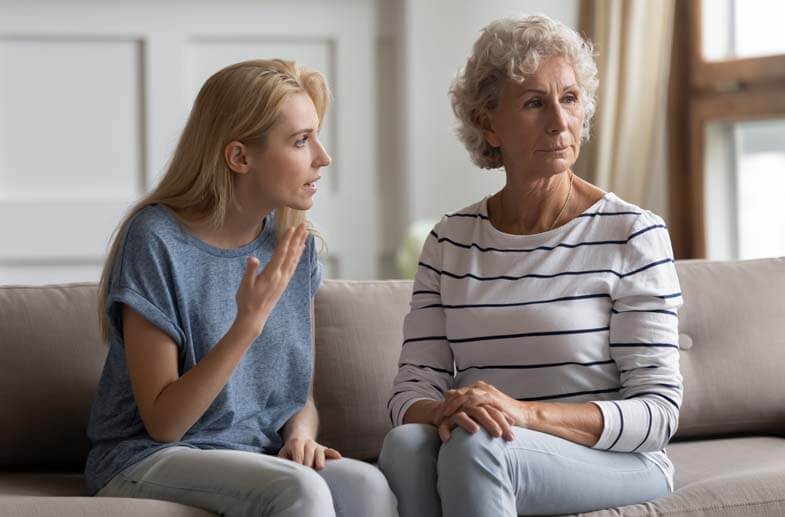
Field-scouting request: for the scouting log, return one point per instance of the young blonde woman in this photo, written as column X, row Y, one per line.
column 206, row 303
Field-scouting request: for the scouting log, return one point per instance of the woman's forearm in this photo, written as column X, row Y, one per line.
column 304, row 423
column 181, row 403
column 579, row 423
column 421, row 412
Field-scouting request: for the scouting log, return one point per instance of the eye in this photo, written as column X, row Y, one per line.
column 533, row 103
column 301, row 141
column 571, row 98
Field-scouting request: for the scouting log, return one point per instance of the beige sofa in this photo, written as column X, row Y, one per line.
column 729, row 453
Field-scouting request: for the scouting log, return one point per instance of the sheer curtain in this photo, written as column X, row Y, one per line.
column 627, row 152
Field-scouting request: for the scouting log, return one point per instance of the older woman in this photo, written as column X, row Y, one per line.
column 540, row 368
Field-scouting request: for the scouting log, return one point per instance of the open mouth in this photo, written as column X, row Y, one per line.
column 311, row 185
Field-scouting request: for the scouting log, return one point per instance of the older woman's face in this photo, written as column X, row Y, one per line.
column 538, row 123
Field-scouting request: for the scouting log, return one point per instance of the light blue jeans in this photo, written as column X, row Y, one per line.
column 474, row 475
column 238, row 483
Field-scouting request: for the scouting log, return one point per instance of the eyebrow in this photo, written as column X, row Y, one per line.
column 301, row 131
column 534, row 90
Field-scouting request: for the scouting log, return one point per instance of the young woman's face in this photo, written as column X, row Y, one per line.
column 284, row 170
column 538, row 123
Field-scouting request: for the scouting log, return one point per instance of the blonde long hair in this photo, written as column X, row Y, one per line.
column 240, row 102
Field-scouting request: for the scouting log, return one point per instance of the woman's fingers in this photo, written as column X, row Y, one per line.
column 459, row 419
column 279, row 255
column 318, row 458
column 296, row 451
column 466, row 423
column 309, row 450
column 323, row 454
column 295, row 251
column 482, row 417
column 249, row 277
column 503, row 421
column 332, row 454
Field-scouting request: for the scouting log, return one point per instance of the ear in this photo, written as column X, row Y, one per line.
column 490, row 135
column 236, row 156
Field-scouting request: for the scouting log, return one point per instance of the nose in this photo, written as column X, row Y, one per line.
column 557, row 122
column 322, row 159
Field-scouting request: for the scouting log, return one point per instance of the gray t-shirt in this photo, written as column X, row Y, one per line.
column 187, row 288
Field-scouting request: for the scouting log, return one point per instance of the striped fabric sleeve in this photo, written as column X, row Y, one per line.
column 426, row 365
column 644, row 344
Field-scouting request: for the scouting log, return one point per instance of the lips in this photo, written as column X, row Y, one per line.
column 312, row 182
column 555, row 149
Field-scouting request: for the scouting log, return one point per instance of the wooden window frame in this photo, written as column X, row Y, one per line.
column 701, row 92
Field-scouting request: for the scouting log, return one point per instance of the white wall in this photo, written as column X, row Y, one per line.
column 435, row 37
column 93, row 95
column 396, row 158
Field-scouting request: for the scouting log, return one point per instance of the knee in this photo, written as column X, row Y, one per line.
column 465, row 452
column 353, row 476
column 301, row 487
column 408, row 442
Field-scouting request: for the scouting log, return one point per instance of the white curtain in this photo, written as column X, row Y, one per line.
column 627, row 152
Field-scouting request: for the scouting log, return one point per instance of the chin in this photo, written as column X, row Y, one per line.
column 300, row 205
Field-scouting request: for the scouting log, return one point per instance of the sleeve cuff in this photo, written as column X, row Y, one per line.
column 612, row 424
column 147, row 310
column 405, row 407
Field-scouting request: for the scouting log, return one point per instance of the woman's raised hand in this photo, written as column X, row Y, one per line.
column 258, row 293
column 475, row 406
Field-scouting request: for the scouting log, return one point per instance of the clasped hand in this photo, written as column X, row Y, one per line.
column 476, row 406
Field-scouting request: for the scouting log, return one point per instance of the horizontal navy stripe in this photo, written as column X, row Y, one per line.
column 476, row 216
column 543, row 248
column 574, row 394
column 517, row 304
column 661, row 345
column 415, row 293
column 595, row 214
column 528, row 334
column 674, row 295
column 530, row 366
column 536, row 275
column 653, row 311
column 399, row 392
column 640, row 368
column 647, row 393
column 441, row 370
column 671, row 386
column 424, row 338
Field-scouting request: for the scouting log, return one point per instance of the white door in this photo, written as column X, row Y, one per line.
column 93, row 95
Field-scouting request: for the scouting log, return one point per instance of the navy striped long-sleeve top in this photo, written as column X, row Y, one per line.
column 586, row 312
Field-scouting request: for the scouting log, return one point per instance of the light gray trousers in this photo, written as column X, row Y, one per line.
column 237, row 483
column 475, row 475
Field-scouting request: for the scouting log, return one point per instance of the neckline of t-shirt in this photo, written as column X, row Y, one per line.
column 245, row 249
column 543, row 236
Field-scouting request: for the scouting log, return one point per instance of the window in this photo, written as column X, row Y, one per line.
column 728, row 124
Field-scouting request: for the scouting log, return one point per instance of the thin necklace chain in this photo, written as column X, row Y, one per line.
column 564, row 206
column 561, row 212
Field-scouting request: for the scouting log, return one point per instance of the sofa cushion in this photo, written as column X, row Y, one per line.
column 51, row 356
column 732, row 334
column 741, row 477
column 358, row 340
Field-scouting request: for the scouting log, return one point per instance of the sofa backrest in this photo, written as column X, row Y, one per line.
column 732, row 340
column 732, row 334
column 50, row 361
